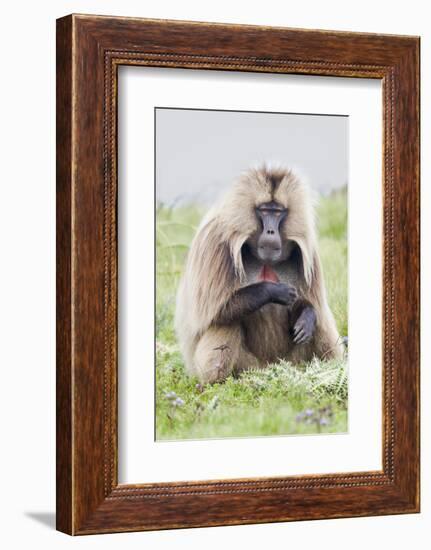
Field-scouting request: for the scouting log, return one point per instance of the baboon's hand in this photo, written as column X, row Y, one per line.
column 283, row 294
column 304, row 327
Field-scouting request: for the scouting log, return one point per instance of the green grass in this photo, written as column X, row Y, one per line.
column 281, row 399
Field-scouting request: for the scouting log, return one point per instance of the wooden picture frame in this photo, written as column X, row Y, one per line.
column 89, row 52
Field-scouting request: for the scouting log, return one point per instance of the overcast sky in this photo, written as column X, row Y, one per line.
column 199, row 153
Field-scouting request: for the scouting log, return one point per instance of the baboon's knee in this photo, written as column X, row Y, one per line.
column 330, row 345
column 216, row 354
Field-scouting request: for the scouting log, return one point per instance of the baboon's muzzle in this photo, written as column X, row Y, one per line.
column 269, row 243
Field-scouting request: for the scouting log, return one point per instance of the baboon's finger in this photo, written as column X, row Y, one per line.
column 299, row 336
column 298, row 327
column 304, row 339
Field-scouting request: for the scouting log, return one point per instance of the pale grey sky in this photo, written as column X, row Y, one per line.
column 199, row 153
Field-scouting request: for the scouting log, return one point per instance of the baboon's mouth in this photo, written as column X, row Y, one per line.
column 268, row 274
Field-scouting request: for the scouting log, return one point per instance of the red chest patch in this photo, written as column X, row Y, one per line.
column 268, row 274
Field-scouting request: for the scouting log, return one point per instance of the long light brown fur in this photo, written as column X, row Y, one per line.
column 214, row 271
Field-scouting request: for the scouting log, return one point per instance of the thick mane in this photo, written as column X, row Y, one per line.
column 213, row 272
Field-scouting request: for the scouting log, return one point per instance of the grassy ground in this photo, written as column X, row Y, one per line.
column 282, row 399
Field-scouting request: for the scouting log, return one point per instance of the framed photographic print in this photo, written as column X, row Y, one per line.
column 237, row 274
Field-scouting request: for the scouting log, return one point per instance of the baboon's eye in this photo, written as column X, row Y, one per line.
column 272, row 210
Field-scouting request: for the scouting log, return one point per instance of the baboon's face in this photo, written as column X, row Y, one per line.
column 268, row 244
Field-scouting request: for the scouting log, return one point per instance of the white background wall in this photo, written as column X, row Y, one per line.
column 27, row 309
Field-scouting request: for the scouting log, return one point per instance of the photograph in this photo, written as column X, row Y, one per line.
column 251, row 276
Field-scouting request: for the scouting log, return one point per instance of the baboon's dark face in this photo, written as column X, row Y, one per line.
column 267, row 244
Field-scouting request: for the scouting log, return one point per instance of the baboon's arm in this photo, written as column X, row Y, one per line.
column 250, row 298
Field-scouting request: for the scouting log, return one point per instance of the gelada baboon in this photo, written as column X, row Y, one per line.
column 253, row 291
